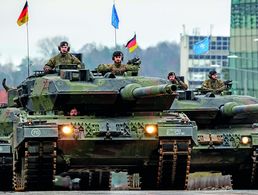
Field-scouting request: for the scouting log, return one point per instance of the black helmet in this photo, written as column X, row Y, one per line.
column 171, row 74
column 63, row 43
column 212, row 72
column 117, row 53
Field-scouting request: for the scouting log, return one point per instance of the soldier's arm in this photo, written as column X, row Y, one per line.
column 221, row 86
column 103, row 68
column 77, row 62
column 205, row 86
column 183, row 85
column 130, row 67
column 49, row 65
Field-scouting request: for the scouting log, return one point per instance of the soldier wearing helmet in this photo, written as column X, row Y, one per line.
column 213, row 84
column 117, row 67
column 175, row 80
column 64, row 57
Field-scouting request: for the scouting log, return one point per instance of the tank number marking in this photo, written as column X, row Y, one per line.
column 175, row 132
column 35, row 132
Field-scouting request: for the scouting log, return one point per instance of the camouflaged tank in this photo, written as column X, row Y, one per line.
column 227, row 139
column 121, row 126
column 8, row 118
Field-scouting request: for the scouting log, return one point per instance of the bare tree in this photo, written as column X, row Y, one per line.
column 48, row 46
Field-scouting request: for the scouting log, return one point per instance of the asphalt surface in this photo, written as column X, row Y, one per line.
column 227, row 192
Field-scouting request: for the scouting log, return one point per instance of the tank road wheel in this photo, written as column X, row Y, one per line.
column 34, row 168
column 99, row 180
column 134, row 181
column 148, row 179
column 18, row 174
column 6, row 183
column 174, row 164
column 254, row 174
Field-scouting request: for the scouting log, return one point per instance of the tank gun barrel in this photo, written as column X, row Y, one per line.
column 232, row 108
column 135, row 91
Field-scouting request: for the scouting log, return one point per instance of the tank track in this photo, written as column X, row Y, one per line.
column 174, row 163
column 34, row 166
column 254, row 176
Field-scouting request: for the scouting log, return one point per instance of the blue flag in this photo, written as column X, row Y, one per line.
column 201, row 46
column 114, row 19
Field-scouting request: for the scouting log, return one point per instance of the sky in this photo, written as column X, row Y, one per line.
column 89, row 21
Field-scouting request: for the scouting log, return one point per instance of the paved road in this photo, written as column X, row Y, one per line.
column 217, row 192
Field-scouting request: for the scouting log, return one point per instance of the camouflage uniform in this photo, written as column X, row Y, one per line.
column 180, row 84
column 117, row 69
column 216, row 86
column 64, row 59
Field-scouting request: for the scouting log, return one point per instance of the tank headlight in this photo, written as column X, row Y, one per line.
column 245, row 140
column 67, row 130
column 151, row 129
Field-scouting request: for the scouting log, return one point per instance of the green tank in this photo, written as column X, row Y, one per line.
column 8, row 118
column 123, row 125
column 227, row 139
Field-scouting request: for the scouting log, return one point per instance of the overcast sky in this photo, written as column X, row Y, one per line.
column 87, row 21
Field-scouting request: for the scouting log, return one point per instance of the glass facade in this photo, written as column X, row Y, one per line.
column 243, row 47
column 216, row 58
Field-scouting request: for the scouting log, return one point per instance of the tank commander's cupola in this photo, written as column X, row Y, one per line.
column 71, row 73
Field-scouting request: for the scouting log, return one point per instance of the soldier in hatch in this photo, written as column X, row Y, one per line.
column 117, row 67
column 213, row 84
column 175, row 80
column 64, row 57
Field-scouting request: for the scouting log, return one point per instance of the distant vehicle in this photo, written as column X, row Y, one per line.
column 227, row 138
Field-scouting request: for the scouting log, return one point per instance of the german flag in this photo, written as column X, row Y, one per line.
column 132, row 44
column 24, row 16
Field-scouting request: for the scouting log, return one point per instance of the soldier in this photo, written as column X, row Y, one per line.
column 73, row 112
column 117, row 67
column 64, row 57
column 175, row 80
column 213, row 84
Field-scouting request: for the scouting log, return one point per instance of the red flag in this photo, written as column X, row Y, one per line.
column 132, row 44
column 24, row 16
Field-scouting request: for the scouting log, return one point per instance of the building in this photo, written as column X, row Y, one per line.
column 243, row 61
column 195, row 68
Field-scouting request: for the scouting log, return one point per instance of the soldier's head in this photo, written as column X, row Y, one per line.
column 118, row 57
column 64, row 47
column 73, row 112
column 171, row 76
column 213, row 75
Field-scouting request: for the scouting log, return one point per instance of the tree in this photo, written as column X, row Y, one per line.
column 48, row 46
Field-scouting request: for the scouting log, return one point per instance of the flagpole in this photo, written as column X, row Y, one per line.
column 115, row 40
column 136, row 53
column 28, row 48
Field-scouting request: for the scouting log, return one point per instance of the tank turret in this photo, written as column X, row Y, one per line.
column 217, row 110
column 93, row 94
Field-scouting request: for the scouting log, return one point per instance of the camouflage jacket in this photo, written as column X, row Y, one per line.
column 64, row 59
column 213, row 85
column 180, row 84
column 117, row 69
